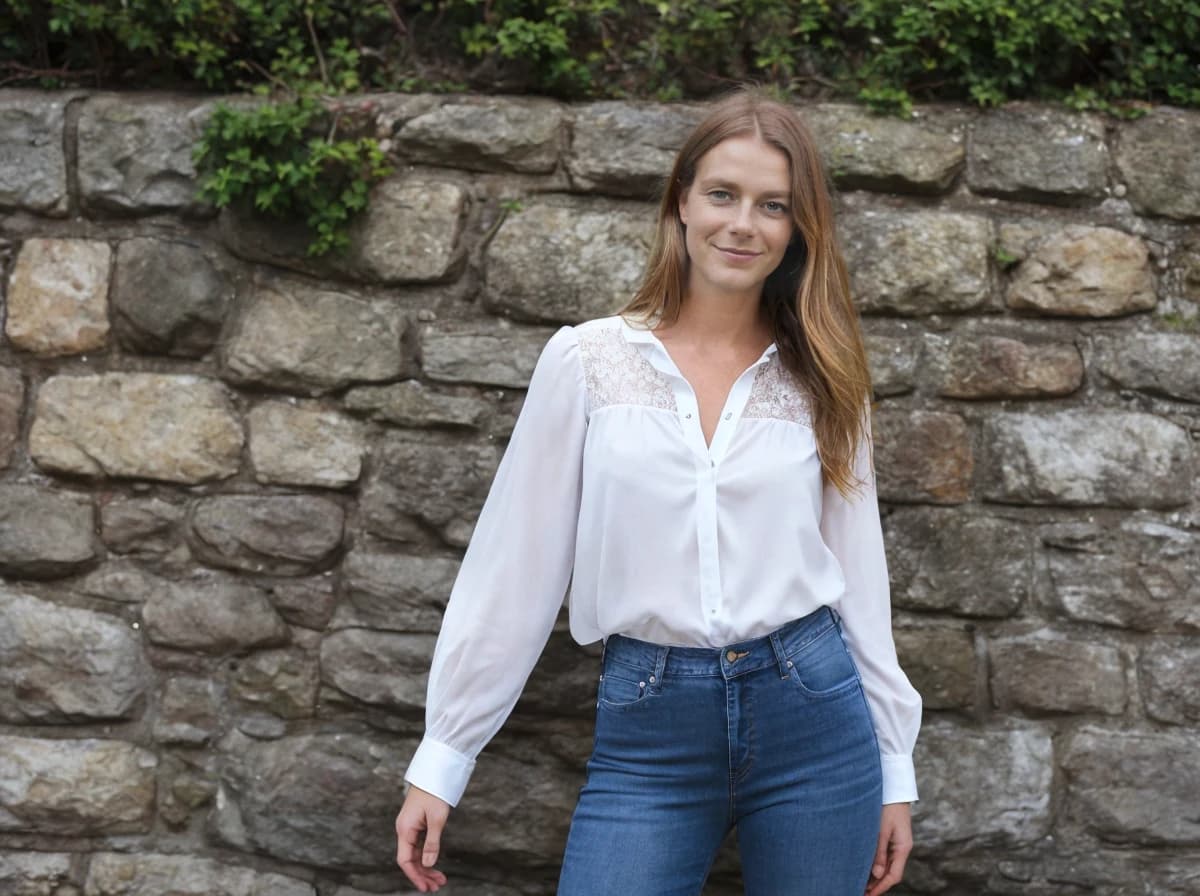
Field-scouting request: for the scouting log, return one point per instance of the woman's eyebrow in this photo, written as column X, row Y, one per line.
column 709, row 183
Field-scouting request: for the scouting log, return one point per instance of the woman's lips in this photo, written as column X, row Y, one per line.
column 735, row 255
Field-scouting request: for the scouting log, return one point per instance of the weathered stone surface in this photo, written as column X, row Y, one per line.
column 922, row 456
column 485, row 134
column 187, row 712
column 213, row 613
column 278, row 534
column 35, row 873
column 564, row 681
column 57, row 296
column 72, row 787
column 970, row 366
column 33, row 165
column 866, row 151
column 44, row 534
column 951, row 562
column 1008, row 800
column 496, row 354
column 1086, row 458
column 12, row 400
column 627, row 149
column 116, row 874
column 1155, row 161
column 62, row 664
column 1139, row 574
column 1082, row 868
column 283, row 682
column 917, row 262
column 1085, row 271
column 383, row 668
column 294, row 336
column 304, row 444
column 174, row 428
column 439, row 483
column 893, row 362
column 168, row 298
column 139, row 525
column 411, row 403
column 395, row 592
column 1162, row 363
column 287, row 797
column 135, row 153
column 1048, row 671
column 939, row 659
column 306, row 602
column 567, row 259
column 1168, row 674
column 1032, row 151
column 1151, row 799
column 409, row 232
column 457, row 886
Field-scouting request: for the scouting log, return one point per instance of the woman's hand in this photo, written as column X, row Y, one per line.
column 422, row 811
column 895, row 843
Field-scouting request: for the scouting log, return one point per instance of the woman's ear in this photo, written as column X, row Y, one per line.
column 682, row 207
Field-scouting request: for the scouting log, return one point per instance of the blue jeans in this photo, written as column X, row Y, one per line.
column 771, row 735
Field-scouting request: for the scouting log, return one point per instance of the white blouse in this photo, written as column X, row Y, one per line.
column 607, row 485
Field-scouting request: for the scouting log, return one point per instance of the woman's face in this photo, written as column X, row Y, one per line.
column 737, row 217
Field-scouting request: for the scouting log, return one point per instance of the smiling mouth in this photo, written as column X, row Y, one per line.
column 738, row 254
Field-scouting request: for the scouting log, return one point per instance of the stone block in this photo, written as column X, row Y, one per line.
column 286, row 535
column 1085, row 458
column 982, row 366
column 135, row 153
column 939, row 659
column 12, row 401
column 169, row 427
column 395, row 591
column 282, row 682
column 494, row 354
column 1046, row 671
column 84, row 787
column 1168, row 673
column 304, row 444
column 35, row 874
column 982, row 786
column 33, row 165
column 1159, row 169
column 893, row 361
column 412, row 403
column 57, row 297
column 305, row 602
column 922, row 456
column 132, row 525
column 567, row 259
column 1137, row 574
column 485, row 134
column 188, row 712
column 294, row 336
column 1160, row 363
column 627, row 149
column 945, row 561
column 1082, row 271
column 1035, row 152
column 866, row 151
column 1134, row 787
column 151, row 874
column 64, row 664
column 44, row 534
column 168, row 298
column 381, row 668
column 917, row 262
column 214, row 614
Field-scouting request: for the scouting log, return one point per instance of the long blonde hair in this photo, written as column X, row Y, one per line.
column 807, row 298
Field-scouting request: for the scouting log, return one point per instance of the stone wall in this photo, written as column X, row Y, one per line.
column 235, row 485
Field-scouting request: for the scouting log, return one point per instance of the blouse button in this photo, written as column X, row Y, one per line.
column 687, row 416
column 729, row 416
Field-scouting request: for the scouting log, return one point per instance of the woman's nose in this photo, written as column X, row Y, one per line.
column 743, row 219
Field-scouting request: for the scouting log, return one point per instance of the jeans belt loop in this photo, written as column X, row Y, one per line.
column 660, row 664
column 780, row 653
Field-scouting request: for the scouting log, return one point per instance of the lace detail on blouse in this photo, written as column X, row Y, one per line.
column 776, row 395
column 616, row 372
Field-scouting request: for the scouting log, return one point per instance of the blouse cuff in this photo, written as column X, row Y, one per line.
column 899, row 778
column 440, row 770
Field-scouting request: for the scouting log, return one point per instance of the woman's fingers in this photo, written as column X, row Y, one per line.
column 891, row 853
column 415, row 854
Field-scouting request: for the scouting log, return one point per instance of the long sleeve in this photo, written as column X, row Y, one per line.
column 513, row 576
column 851, row 529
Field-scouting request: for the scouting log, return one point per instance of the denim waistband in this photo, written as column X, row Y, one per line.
column 728, row 661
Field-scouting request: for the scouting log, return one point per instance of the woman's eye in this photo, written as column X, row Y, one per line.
column 719, row 194
column 776, row 207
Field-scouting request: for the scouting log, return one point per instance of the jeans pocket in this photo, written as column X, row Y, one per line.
column 623, row 686
column 823, row 667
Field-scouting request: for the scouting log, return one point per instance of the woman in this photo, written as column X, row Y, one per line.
column 699, row 469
